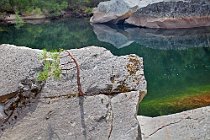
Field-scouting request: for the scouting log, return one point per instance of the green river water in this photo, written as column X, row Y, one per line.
column 176, row 62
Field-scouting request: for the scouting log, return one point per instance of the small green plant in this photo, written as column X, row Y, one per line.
column 51, row 68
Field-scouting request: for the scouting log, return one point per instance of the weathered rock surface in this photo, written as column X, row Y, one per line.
column 113, row 87
column 187, row 125
column 114, row 11
column 153, row 38
column 173, row 14
column 101, row 73
column 15, row 68
column 168, row 14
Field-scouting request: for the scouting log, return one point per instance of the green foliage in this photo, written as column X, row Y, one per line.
column 51, row 61
column 5, row 6
column 33, row 11
column 88, row 10
column 54, row 7
column 18, row 20
column 2, row 15
column 46, row 7
column 27, row 7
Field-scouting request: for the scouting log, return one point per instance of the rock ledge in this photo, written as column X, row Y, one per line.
column 113, row 87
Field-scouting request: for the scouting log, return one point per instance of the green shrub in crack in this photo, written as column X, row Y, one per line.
column 51, row 65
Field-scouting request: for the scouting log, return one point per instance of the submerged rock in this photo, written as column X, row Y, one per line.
column 187, row 125
column 113, row 88
column 167, row 14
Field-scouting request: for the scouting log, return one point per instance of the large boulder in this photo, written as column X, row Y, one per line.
column 113, row 87
column 166, row 14
column 114, row 11
column 173, row 14
column 187, row 125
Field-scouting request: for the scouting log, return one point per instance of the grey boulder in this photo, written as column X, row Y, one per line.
column 167, row 14
column 113, row 88
column 172, row 14
column 114, row 11
column 187, row 125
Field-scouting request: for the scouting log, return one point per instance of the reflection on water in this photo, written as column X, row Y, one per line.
column 176, row 62
column 153, row 38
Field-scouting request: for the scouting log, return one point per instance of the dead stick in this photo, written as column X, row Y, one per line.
column 78, row 74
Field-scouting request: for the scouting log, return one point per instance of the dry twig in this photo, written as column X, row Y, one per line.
column 78, row 73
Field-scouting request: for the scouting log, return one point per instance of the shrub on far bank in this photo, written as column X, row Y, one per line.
column 26, row 7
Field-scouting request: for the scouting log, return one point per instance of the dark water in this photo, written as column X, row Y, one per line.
column 177, row 62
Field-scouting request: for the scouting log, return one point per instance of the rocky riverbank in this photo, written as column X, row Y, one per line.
column 36, row 19
column 41, row 13
column 168, row 14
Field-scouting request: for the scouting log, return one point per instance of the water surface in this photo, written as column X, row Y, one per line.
column 176, row 62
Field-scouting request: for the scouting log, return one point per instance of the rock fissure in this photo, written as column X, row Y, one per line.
column 111, row 118
column 52, row 133
column 111, row 95
column 27, row 90
column 60, row 96
column 164, row 127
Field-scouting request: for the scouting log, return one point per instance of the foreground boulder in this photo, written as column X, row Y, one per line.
column 167, row 14
column 113, row 87
column 187, row 125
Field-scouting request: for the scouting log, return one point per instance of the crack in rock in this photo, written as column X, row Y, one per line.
column 188, row 118
column 111, row 116
column 164, row 127
column 13, row 104
column 52, row 133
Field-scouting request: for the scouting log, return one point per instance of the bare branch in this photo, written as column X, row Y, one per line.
column 78, row 73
